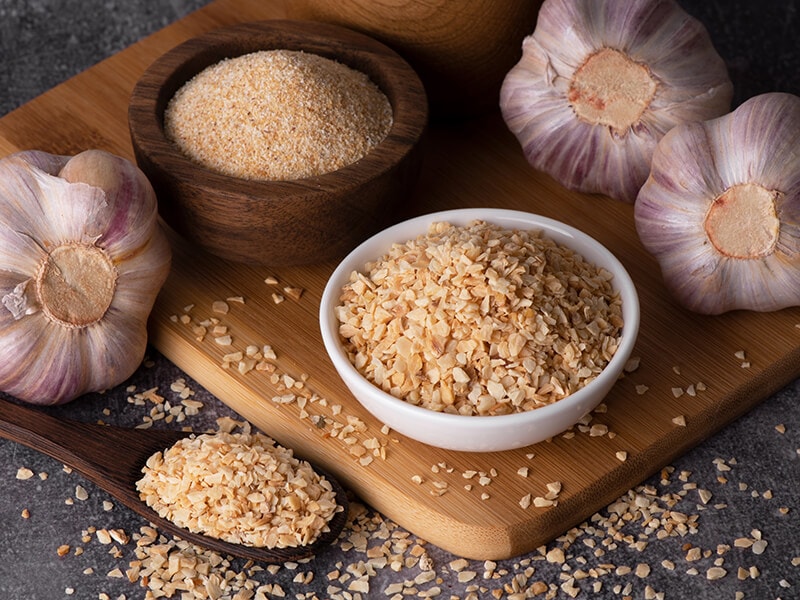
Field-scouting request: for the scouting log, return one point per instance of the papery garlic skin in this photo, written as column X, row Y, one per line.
column 721, row 209
column 599, row 83
column 82, row 258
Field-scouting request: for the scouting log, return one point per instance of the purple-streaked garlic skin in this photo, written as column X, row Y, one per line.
column 673, row 49
column 756, row 147
column 99, row 207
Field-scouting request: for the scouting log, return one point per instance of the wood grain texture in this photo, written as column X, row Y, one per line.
column 462, row 50
column 466, row 164
column 279, row 222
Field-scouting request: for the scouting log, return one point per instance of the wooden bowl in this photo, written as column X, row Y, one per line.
column 279, row 223
column 461, row 50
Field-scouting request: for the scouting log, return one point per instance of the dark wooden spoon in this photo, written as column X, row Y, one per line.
column 112, row 458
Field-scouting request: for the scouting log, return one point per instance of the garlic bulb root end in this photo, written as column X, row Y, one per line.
column 75, row 284
column 82, row 259
column 720, row 210
column 599, row 84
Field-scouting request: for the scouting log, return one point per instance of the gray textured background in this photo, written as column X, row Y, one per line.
column 44, row 42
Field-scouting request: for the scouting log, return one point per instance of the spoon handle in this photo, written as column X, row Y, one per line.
column 99, row 452
column 112, row 458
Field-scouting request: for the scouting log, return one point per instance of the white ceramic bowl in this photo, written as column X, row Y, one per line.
column 478, row 433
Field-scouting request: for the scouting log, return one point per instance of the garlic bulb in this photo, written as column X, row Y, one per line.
column 599, row 83
column 721, row 208
column 82, row 258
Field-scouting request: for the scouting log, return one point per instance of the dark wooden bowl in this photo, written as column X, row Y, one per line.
column 461, row 50
column 279, row 223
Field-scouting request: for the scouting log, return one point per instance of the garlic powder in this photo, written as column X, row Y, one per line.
column 277, row 115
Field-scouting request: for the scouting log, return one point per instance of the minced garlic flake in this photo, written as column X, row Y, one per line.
column 293, row 292
column 224, row 340
column 280, row 501
column 715, row 573
column 480, row 320
column 632, row 364
column 24, row 473
column 220, row 306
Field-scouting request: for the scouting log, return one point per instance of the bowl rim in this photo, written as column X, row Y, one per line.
column 168, row 72
column 622, row 282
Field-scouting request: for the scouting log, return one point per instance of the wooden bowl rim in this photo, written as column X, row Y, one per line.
column 395, row 77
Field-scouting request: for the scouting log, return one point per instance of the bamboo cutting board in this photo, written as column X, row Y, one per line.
column 468, row 164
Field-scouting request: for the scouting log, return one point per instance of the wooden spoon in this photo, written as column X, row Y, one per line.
column 113, row 457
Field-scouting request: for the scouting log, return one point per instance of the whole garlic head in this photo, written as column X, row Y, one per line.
column 599, row 83
column 721, row 208
column 82, row 258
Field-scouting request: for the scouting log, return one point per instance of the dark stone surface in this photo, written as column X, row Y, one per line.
column 43, row 42
column 758, row 41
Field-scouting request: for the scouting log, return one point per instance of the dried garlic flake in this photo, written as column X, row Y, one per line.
column 241, row 488
column 480, row 320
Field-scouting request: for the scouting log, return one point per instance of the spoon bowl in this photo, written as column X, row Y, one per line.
column 112, row 458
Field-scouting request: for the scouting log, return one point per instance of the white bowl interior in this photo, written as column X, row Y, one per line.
column 478, row 433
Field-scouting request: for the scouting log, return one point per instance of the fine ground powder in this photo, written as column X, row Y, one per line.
column 277, row 115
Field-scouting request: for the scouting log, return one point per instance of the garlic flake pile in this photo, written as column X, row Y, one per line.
column 599, row 83
column 82, row 258
column 721, row 208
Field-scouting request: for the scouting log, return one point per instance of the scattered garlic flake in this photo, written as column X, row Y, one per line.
column 220, row 307
column 24, row 473
column 632, row 364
